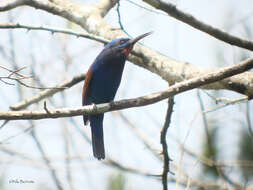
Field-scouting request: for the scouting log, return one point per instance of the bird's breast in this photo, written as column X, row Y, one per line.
column 106, row 80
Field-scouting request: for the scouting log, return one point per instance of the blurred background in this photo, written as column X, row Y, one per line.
column 209, row 141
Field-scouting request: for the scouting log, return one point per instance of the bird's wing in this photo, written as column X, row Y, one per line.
column 86, row 86
column 85, row 91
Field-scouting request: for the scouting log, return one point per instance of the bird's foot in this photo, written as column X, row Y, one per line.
column 111, row 103
column 94, row 107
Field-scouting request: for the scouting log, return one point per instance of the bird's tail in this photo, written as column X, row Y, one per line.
column 96, row 123
column 85, row 119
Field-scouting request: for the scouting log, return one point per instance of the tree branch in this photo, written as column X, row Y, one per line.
column 10, row 4
column 166, row 158
column 88, row 16
column 134, row 102
column 49, row 92
column 187, row 18
column 53, row 30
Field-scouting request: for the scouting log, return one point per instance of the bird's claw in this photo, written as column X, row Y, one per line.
column 94, row 107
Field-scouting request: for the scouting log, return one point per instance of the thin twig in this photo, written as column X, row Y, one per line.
column 225, row 100
column 49, row 92
column 166, row 158
column 21, row 77
column 53, row 30
column 147, row 9
column 226, row 178
column 228, row 103
column 8, row 83
column 15, row 72
column 203, row 114
column 45, row 107
column 119, row 20
column 26, row 85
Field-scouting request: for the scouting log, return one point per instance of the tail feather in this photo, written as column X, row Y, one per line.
column 96, row 122
column 85, row 119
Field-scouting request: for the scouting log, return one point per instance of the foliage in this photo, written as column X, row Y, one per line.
column 116, row 182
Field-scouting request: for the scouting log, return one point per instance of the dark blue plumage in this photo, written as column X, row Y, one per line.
column 101, row 84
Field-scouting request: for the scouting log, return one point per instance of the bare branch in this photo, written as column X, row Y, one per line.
column 10, row 4
column 53, row 30
column 166, row 158
column 120, row 21
column 46, row 93
column 19, row 78
column 226, row 178
column 147, row 9
column 89, row 17
column 15, row 72
column 173, row 11
column 5, row 82
column 204, row 118
column 135, row 102
column 227, row 102
column 104, row 6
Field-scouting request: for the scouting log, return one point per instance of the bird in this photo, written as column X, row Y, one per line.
column 101, row 84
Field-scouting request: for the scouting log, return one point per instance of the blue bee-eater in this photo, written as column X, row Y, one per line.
column 102, row 82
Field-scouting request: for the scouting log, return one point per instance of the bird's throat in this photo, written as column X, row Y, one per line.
column 127, row 50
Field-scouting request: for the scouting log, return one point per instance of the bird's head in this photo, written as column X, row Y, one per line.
column 124, row 46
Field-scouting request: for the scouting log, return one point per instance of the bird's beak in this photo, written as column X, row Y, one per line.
column 128, row 46
column 134, row 40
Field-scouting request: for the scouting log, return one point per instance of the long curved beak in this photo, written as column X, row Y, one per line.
column 131, row 42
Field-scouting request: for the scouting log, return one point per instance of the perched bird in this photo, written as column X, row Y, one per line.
column 102, row 82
